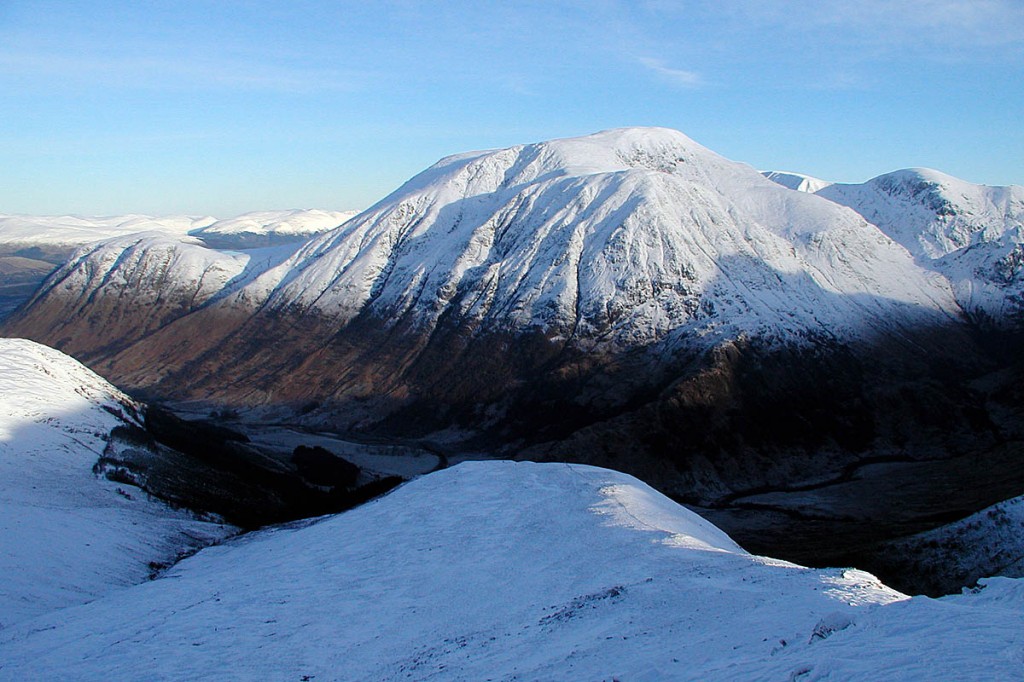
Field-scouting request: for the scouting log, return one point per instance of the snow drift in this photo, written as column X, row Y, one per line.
column 68, row 534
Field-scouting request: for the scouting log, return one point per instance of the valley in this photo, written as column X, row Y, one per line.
column 827, row 374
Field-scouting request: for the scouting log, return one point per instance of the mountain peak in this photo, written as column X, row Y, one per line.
column 608, row 151
column 619, row 235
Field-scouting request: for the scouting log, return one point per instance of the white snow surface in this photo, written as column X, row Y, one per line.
column 620, row 237
column 74, row 231
column 295, row 223
column 515, row 571
column 972, row 234
column 67, row 536
column 797, row 181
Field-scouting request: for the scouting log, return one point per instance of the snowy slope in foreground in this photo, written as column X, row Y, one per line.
column 67, row 535
column 498, row 570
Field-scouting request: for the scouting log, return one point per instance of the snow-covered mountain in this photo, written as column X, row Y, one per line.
column 515, row 571
column 972, row 234
column 269, row 228
column 623, row 237
column 32, row 246
column 70, row 535
column 612, row 241
column 109, row 295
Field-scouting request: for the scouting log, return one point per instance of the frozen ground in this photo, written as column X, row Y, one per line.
column 515, row 571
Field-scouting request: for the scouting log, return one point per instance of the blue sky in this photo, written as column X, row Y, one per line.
column 225, row 106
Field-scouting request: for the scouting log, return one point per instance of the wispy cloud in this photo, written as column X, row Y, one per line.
column 679, row 77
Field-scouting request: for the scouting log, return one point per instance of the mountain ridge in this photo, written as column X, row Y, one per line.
column 971, row 234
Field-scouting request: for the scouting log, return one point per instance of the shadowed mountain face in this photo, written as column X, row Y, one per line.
column 629, row 299
column 19, row 278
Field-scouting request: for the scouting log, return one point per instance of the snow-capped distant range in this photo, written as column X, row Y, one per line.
column 269, row 228
column 55, row 236
column 971, row 234
column 69, row 535
column 797, row 181
column 506, row 571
